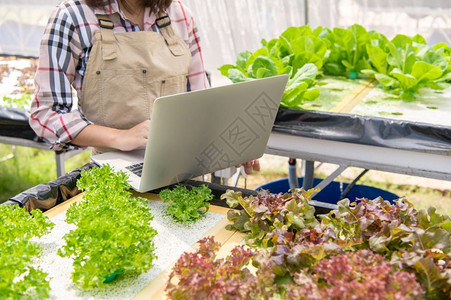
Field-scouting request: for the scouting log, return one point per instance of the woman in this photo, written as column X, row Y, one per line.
column 118, row 55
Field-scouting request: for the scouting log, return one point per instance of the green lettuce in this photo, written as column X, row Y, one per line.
column 113, row 234
column 405, row 65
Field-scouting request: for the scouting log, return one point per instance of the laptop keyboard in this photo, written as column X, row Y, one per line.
column 137, row 169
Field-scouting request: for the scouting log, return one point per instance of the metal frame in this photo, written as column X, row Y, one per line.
column 402, row 161
column 60, row 157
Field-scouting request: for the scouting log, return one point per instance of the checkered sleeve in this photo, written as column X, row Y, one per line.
column 196, row 72
column 52, row 115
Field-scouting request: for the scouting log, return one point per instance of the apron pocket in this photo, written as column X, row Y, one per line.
column 173, row 85
column 124, row 98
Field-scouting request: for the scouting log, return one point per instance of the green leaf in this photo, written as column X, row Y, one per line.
column 386, row 80
column 113, row 229
column 433, row 238
column 260, row 52
column 348, row 65
column 263, row 67
column 369, row 73
column 435, row 284
column 236, row 75
column 239, row 220
column 293, row 95
column 225, row 69
column 344, row 38
column 310, row 44
column 304, row 58
column 298, row 85
column 402, row 54
column 401, row 40
column 406, row 81
column 282, row 48
column 185, row 203
column 291, row 33
column 423, row 71
column 334, row 68
column 306, row 74
column 378, row 58
column 311, row 94
column 419, row 39
column 232, row 198
column 430, row 218
column 242, row 58
column 437, row 59
column 19, row 278
column 446, row 77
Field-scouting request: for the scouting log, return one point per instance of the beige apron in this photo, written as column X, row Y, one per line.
column 126, row 72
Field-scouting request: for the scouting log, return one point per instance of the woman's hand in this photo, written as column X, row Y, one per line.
column 134, row 137
column 253, row 165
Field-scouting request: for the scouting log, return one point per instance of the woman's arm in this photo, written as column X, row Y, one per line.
column 106, row 137
column 52, row 116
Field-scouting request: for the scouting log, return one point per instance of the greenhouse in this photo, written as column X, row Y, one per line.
column 239, row 149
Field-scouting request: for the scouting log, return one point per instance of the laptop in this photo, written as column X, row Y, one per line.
column 201, row 132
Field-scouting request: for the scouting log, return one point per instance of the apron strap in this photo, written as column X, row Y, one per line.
column 107, row 37
column 164, row 25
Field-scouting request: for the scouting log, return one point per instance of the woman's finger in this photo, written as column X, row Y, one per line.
column 256, row 165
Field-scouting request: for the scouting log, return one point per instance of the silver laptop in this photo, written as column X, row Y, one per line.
column 201, row 132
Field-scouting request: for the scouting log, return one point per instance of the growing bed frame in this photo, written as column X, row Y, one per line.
column 350, row 140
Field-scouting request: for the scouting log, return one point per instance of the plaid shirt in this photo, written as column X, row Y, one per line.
column 64, row 54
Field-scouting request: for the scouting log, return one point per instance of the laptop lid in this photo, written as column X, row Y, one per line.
column 202, row 132
column 208, row 130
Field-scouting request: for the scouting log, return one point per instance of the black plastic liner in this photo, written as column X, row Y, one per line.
column 14, row 123
column 374, row 131
column 47, row 195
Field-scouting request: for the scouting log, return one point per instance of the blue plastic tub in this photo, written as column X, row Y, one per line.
column 332, row 193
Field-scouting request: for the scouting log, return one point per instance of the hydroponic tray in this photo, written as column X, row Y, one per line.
column 172, row 240
column 358, row 112
column 56, row 196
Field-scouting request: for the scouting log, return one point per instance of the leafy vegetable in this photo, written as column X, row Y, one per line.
column 113, row 232
column 18, row 279
column 405, row 65
column 292, row 241
column 384, row 228
column 298, row 46
column 292, row 252
column 298, row 52
column 187, row 205
column 201, row 275
column 419, row 241
column 347, row 50
column 359, row 275
column 435, row 278
column 300, row 87
column 267, row 212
